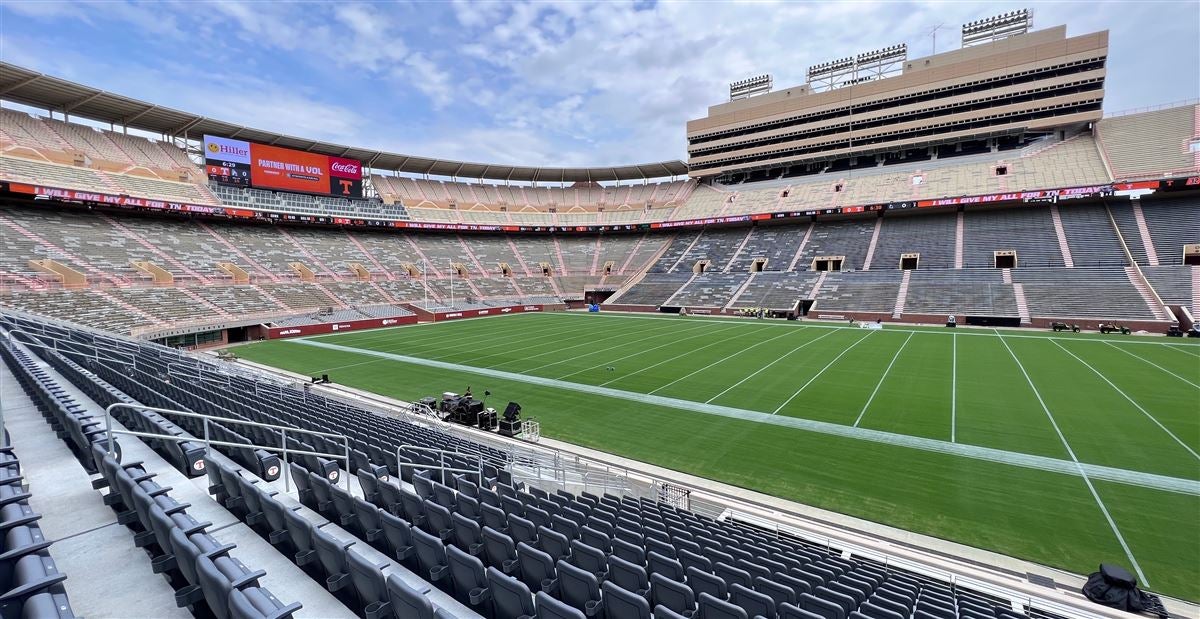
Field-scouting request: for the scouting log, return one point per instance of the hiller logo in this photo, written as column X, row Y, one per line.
column 215, row 148
column 345, row 168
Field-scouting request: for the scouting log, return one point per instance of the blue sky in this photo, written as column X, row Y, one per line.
column 543, row 83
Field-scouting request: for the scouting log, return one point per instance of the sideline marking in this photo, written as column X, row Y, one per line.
column 1055, row 465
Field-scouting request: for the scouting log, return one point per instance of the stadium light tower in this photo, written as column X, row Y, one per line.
column 744, row 89
column 995, row 28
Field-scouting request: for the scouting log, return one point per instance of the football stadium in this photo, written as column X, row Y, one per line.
column 916, row 338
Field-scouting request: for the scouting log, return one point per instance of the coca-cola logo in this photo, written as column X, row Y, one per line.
column 345, row 167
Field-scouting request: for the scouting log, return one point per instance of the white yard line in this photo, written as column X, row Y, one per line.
column 953, row 387
column 1154, row 364
column 622, row 344
column 1131, row 401
column 760, row 370
column 683, row 354
column 610, row 362
column 1095, row 495
column 542, row 342
column 1183, row 350
column 818, row 374
column 722, row 360
column 1152, row 481
column 881, row 379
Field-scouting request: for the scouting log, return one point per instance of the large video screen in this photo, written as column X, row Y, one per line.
column 237, row 162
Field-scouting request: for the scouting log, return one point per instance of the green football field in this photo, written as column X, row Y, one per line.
column 1067, row 450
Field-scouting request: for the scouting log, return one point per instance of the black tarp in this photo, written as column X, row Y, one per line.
column 1114, row 586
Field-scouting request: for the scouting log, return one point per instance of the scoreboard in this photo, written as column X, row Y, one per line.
column 246, row 164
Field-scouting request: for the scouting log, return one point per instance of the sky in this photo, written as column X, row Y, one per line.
column 528, row 83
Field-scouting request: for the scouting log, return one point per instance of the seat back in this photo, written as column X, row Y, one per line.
column 627, row 575
column 510, row 597
column 553, row 543
column 660, row 564
column 703, row 582
column 467, row 573
column 522, row 530
column 396, row 535
column 536, row 566
column 576, row 587
column 672, row 594
column 367, row 579
column 498, row 547
column 753, row 602
column 588, row 559
column 215, row 585
column 620, row 603
column 466, row 532
column 431, row 554
column 712, row 608
column 550, row 608
column 406, row 601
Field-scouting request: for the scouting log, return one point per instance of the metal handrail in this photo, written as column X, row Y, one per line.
column 208, row 442
column 442, row 461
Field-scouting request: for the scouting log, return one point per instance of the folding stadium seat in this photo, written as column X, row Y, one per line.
column 688, row 559
column 658, row 564
column 847, row 602
column 366, row 516
column 776, row 589
column 875, row 611
column 895, row 601
column 343, row 507
column 499, row 550
column 370, row 586
column 578, row 588
column 565, row 526
column 422, row 484
column 550, row 608
column 536, row 568
column 487, row 496
column 331, row 552
column 431, row 555
column 821, row 607
column 620, row 603
column 470, row 581
column 672, row 594
column 274, row 520
column 466, row 486
column 599, row 525
column 437, row 520
column 554, row 544
column 252, row 499
column 49, row 604
column 589, row 559
column 853, row 593
column 663, row 548
column 300, row 532
column 218, row 585
column 789, row 611
column 510, row 597
column 413, row 507
column 494, row 517
column 629, row 552
column 389, row 498
column 370, row 486
column 628, row 576
column 409, row 603
column 467, row 534
column 537, row 516
column 444, row 496
column 712, row 608
column 703, row 582
column 469, row 508
column 300, row 480
column 754, row 603
column 322, row 496
column 813, row 580
column 397, row 536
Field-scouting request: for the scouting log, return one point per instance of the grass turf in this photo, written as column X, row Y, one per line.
column 1124, row 402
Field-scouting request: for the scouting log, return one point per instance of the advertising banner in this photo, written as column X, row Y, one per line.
column 247, row 164
column 490, row 311
column 338, row 327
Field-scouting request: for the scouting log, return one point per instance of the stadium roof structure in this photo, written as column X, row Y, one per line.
column 27, row 87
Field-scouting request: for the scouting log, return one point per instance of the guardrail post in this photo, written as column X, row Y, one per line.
column 207, row 441
column 287, row 470
column 346, row 440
